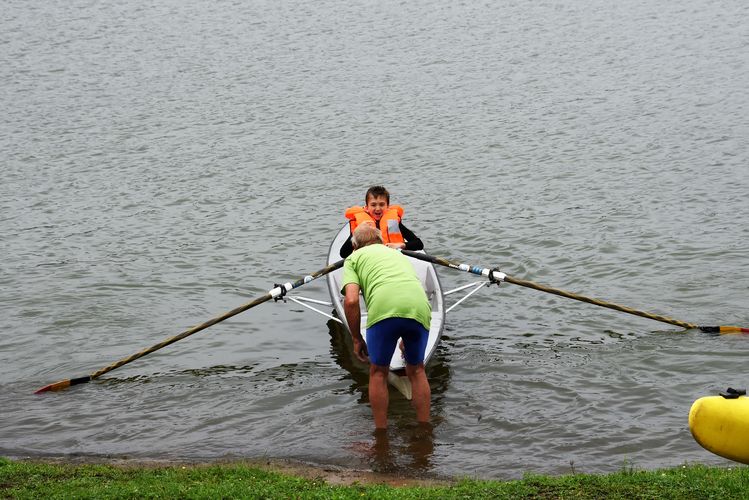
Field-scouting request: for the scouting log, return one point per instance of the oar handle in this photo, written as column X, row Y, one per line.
column 492, row 274
column 277, row 291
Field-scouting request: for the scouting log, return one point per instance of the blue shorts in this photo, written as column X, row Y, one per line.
column 382, row 340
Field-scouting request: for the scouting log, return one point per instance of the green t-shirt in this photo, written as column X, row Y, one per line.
column 389, row 283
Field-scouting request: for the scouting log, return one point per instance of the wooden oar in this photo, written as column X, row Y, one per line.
column 496, row 276
column 277, row 291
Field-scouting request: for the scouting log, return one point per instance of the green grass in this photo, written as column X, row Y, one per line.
column 21, row 479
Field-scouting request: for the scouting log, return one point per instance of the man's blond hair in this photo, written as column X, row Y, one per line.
column 365, row 234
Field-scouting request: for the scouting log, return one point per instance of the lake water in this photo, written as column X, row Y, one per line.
column 165, row 162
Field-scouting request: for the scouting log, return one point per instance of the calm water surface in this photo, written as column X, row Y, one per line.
column 165, row 162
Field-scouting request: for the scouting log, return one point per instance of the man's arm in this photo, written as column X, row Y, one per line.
column 353, row 318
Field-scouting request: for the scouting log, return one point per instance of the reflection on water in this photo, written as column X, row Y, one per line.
column 405, row 450
column 341, row 349
column 209, row 371
column 437, row 370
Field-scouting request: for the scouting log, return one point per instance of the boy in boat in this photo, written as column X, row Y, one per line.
column 377, row 210
column 397, row 307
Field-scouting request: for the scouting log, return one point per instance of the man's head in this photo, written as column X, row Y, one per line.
column 365, row 234
column 376, row 201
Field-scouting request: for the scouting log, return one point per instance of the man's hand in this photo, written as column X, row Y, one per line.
column 396, row 245
column 360, row 350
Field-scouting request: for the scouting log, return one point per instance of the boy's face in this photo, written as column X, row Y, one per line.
column 376, row 206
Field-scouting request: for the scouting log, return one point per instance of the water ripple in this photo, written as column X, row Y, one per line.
column 165, row 163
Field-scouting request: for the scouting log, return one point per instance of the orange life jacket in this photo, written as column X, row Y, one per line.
column 391, row 233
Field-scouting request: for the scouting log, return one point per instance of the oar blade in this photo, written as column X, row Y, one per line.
column 57, row 386
column 725, row 330
column 63, row 384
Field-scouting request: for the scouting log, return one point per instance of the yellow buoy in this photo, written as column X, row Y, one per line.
column 721, row 425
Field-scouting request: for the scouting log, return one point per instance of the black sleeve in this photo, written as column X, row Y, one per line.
column 347, row 248
column 412, row 241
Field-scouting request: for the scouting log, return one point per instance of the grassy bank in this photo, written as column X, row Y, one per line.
column 20, row 479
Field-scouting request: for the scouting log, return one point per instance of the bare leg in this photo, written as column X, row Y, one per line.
column 378, row 394
column 421, row 393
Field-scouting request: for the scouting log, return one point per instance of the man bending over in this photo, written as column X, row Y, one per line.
column 397, row 307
